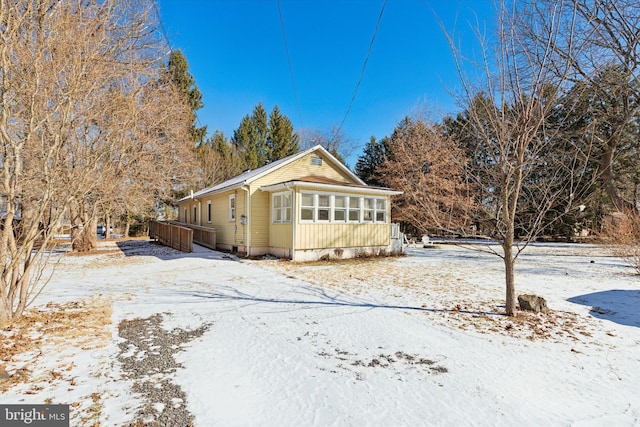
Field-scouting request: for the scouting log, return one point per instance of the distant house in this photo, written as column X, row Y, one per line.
column 304, row 207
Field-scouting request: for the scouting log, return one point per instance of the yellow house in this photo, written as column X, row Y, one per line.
column 305, row 207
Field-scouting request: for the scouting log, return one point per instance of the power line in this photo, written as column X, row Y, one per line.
column 286, row 49
column 364, row 66
column 162, row 29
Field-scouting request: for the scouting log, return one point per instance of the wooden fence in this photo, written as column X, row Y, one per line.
column 172, row 235
column 204, row 236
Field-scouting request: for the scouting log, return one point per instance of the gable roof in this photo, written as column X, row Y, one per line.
column 249, row 176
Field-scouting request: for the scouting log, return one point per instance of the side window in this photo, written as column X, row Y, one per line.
column 209, row 212
column 232, row 207
column 381, row 210
column 281, row 203
column 184, row 218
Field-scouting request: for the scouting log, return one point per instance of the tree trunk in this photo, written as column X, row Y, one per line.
column 509, row 264
column 107, row 231
column 83, row 230
column 608, row 180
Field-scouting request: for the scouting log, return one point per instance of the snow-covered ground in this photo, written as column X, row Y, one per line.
column 409, row 341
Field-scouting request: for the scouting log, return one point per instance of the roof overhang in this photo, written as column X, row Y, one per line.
column 375, row 191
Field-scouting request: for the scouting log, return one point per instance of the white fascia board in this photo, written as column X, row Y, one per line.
column 329, row 187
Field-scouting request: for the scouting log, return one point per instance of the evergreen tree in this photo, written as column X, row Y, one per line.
column 177, row 71
column 367, row 166
column 260, row 140
column 243, row 145
column 260, row 134
column 281, row 141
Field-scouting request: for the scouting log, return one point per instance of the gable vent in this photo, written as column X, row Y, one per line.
column 316, row 161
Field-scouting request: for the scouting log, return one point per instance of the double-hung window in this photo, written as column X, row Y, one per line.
column 232, row 207
column 307, row 207
column 381, row 210
column 354, row 209
column 281, row 203
column 339, row 208
column 324, row 207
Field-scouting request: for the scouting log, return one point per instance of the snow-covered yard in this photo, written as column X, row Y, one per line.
column 150, row 334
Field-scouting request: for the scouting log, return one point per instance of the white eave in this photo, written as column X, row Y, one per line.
column 249, row 176
column 360, row 189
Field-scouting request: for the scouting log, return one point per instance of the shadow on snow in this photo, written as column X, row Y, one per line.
column 616, row 305
column 318, row 297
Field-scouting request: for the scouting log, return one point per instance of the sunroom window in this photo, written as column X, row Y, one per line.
column 323, row 207
column 307, row 207
column 337, row 208
column 281, row 203
column 354, row 209
column 381, row 210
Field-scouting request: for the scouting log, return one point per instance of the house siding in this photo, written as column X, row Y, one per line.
column 258, row 235
column 260, row 217
column 327, row 235
column 303, row 167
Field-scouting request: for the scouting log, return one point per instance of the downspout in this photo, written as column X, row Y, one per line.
column 247, row 209
column 294, row 209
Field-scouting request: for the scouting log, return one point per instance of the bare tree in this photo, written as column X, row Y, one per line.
column 64, row 67
column 334, row 140
column 35, row 117
column 598, row 40
column 429, row 168
column 509, row 110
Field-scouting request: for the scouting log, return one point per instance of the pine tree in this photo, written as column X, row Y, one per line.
column 243, row 144
column 177, row 71
column 260, row 135
column 368, row 164
column 281, row 141
column 260, row 140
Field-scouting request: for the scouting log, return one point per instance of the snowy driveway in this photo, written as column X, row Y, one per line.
column 355, row 344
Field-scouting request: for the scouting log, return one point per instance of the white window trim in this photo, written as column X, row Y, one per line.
column 185, row 219
column 232, row 209
column 209, row 212
column 194, row 220
column 282, row 208
column 347, row 208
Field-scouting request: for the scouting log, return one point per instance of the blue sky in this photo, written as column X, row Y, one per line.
column 236, row 53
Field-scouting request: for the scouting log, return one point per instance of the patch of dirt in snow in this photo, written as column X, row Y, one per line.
column 120, row 253
column 28, row 344
column 448, row 296
column 146, row 356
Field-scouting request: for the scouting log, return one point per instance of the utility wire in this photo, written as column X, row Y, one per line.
column 286, row 49
column 163, row 31
column 364, row 66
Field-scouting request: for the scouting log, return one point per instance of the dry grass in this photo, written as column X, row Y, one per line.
column 82, row 324
column 622, row 233
column 449, row 298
